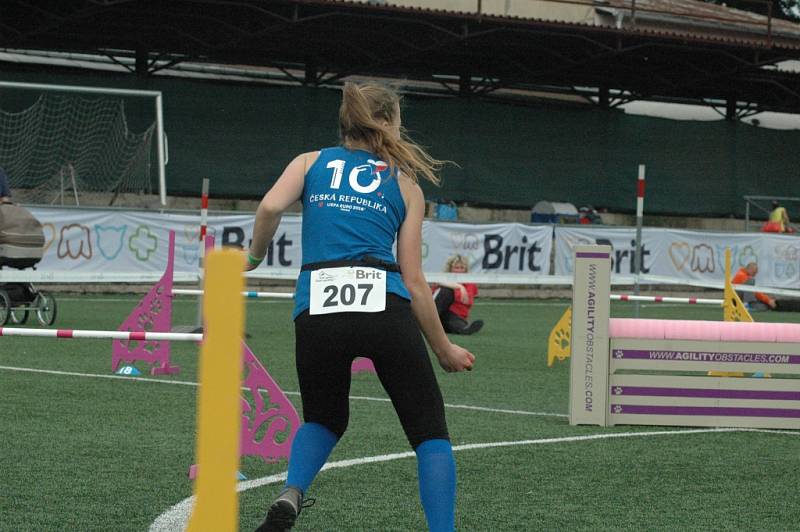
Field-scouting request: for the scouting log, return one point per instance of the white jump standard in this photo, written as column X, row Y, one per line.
column 655, row 372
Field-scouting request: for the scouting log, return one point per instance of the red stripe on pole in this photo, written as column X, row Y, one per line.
column 1, row 331
column 692, row 300
column 64, row 333
column 623, row 298
column 204, row 202
column 138, row 335
column 640, row 188
column 659, row 299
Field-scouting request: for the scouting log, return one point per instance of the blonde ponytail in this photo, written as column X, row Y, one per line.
column 366, row 117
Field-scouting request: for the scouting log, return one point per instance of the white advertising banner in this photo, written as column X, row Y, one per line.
column 94, row 241
column 687, row 255
column 97, row 241
column 491, row 248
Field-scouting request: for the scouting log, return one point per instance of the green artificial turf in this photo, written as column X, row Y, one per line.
column 79, row 451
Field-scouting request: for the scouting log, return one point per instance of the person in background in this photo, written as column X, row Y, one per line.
column 758, row 300
column 5, row 190
column 454, row 300
column 753, row 300
column 588, row 215
column 778, row 220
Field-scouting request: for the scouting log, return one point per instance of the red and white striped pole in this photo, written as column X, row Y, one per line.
column 201, row 261
column 637, row 263
column 203, row 220
column 106, row 335
column 667, row 299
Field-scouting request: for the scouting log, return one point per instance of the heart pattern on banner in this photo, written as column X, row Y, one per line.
column 49, row 230
column 679, row 254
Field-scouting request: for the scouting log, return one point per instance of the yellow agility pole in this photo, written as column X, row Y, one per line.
column 216, row 505
column 733, row 308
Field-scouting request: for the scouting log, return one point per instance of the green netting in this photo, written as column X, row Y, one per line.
column 242, row 136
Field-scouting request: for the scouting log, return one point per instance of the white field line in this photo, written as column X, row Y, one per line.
column 482, row 303
column 176, row 517
column 190, row 383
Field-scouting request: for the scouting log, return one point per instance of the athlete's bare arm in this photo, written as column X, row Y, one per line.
column 286, row 190
column 409, row 257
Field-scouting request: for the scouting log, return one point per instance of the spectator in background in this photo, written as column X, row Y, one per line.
column 5, row 190
column 753, row 300
column 588, row 215
column 759, row 300
column 778, row 220
column 454, row 300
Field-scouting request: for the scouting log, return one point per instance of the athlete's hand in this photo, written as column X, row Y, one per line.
column 456, row 358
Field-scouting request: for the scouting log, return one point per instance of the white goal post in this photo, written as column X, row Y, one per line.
column 161, row 155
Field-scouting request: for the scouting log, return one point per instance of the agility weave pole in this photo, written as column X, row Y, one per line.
column 558, row 342
column 630, row 371
column 218, row 408
column 204, row 247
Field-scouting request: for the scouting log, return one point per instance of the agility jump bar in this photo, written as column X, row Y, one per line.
column 664, row 299
column 108, row 335
column 247, row 294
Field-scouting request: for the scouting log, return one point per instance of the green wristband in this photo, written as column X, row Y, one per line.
column 253, row 260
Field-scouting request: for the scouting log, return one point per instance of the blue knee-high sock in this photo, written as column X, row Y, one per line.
column 311, row 446
column 437, row 484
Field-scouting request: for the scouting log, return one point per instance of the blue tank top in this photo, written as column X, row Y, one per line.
column 352, row 206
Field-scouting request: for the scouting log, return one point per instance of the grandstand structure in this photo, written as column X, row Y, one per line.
column 605, row 51
column 541, row 56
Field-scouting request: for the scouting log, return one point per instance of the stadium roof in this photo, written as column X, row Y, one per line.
column 604, row 51
column 682, row 19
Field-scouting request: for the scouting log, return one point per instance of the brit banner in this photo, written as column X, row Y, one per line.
column 490, row 248
column 686, row 255
column 135, row 242
column 131, row 242
column 101, row 244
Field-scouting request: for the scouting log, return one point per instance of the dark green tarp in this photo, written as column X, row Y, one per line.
column 241, row 136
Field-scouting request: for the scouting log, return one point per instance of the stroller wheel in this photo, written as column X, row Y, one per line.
column 45, row 305
column 5, row 307
column 19, row 316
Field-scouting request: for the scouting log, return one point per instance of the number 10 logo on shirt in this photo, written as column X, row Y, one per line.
column 347, row 289
column 375, row 168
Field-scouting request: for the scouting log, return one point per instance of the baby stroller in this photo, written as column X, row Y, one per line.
column 22, row 247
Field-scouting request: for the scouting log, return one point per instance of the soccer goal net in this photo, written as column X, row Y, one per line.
column 80, row 145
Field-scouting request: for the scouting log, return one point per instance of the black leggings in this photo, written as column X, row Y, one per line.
column 326, row 345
